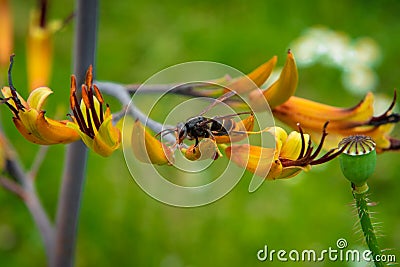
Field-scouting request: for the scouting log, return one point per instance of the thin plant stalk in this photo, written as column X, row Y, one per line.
column 24, row 187
column 76, row 154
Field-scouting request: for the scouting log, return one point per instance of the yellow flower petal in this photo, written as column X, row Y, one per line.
column 282, row 160
column 84, row 109
column 247, row 124
column 28, row 135
column 314, row 115
column 107, row 139
column 280, row 138
column 32, row 123
column 281, row 90
column 6, row 91
column 147, row 148
column 289, row 172
column 38, row 129
column 343, row 122
column 85, row 138
column 37, row 97
column 40, row 50
column 262, row 73
column 275, row 170
column 292, row 146
column 6, row 33
column 254, row 158
column 256, row 77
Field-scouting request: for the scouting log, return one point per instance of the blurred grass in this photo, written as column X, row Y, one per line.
column 120, row 225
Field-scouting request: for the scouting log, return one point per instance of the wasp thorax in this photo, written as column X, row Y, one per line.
column 358, row 159
column 357, row 145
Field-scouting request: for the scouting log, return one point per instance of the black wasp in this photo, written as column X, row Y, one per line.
column 198, row 127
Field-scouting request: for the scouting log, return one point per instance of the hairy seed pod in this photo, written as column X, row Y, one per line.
column 358, row 159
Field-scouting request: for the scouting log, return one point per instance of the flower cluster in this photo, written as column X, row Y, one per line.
column 89, row 123
column 293, row 151
column 292, row 154
column 92, row 123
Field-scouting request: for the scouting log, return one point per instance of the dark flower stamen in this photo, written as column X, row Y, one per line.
column 14, row 97
column 76, row 109
column 101, row 101
column 386, row 117
column 308, row 158
column 92, row 116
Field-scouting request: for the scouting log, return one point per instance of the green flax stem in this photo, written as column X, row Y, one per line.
column 360, row 197
column 76, row 155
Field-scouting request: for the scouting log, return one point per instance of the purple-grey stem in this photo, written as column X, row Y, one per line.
column 76, row 155
column 25, row 188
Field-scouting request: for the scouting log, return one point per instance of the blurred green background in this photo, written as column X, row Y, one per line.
column 120, row 225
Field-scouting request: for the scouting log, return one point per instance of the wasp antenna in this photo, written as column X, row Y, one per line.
column 170, row 131
column 165, row 131
column 218, row 100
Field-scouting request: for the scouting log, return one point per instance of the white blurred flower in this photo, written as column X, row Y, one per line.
column 356, row 58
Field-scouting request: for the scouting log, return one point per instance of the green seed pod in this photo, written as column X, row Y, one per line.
column 358, row 159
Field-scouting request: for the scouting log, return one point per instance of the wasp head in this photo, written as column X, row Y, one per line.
column 182, row 132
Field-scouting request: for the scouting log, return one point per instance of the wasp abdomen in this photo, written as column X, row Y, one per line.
column 222, row 127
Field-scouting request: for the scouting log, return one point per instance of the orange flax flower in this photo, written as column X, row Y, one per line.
column 94, row 126
column 6, row 32
column 292, row 154
column 40, row 47
column 291, row 110
column 343, row 122
column 30, row 119
column 276, row 94
column 149, row 149
column 281, row 90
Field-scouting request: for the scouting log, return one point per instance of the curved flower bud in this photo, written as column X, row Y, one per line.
column 40, row 48
column 292, row 154
column 254, row 158
column 6, row 32
column 291, row 147
column 256, row 77
column 343, row 122
column 149, row 149
column 92, row 124
column 29, row 117
column 281, row 90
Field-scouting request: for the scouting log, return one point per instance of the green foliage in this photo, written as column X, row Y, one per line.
column 119, row 224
